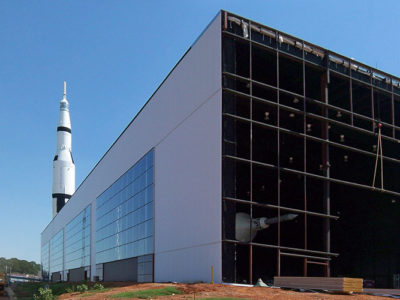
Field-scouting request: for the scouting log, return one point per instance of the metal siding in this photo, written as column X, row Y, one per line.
column 188, row 182
column 121, row 270
column 77, row 275
column 56, row 277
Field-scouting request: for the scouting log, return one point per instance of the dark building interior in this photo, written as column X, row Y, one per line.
column 301, row 136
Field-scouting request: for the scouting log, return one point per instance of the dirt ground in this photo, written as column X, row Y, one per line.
column 201, row 290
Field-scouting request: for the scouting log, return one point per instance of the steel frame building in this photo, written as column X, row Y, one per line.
column 256, row 121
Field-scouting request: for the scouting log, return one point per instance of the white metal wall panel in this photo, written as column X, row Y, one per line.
column 188, row 198
column 189, row 264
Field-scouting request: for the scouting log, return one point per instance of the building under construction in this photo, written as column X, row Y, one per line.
column 301, row 135
column 260, row 155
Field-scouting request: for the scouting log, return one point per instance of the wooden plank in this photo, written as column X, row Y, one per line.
column 342, row 284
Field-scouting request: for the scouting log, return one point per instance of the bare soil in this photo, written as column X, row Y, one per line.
column 202, row 290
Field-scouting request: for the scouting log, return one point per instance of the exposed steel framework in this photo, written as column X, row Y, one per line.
column 325, row 117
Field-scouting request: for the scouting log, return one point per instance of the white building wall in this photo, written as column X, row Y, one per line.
column 188, row 198
column 182, row 121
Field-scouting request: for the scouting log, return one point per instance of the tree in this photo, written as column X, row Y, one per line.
column 19, row 266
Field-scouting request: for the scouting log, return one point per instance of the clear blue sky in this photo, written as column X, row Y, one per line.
column 113, row 55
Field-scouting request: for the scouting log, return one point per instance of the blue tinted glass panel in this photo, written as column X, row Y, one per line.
column 45, row 261
column 124, row 214
column 77, row 241
column 56, row 252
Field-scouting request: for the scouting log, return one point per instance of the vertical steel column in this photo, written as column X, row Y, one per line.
column 251, row 154
column 351, row 95
column 225, row 20
column 304, row 158
column 392, row 94
column 278, row 158
column 279, row 261
column 372, row 102
column 325, row 162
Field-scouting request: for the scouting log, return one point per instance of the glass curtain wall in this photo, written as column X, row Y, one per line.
column 57, row 253
column 45, row 260
column 300, row 139
column 77, row 241
column 124, row 226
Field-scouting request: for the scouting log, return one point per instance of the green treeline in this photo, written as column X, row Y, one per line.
column 19, row 266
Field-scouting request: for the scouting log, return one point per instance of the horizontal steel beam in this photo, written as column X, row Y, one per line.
column 330, row 179
column 284, row 208
column 283, row 248
column 305, row 256
column 319, row 103
column 327, row 52
column 310, row 137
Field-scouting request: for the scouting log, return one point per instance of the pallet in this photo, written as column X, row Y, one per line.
column 333, row 284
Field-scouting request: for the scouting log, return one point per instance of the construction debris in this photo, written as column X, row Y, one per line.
column 260, row 283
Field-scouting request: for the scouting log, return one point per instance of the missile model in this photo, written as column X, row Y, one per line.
column 63, row 163
column 247, row 228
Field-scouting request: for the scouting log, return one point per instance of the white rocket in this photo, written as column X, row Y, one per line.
column 63, row 163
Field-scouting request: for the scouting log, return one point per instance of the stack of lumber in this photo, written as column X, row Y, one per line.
column 334, row 284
